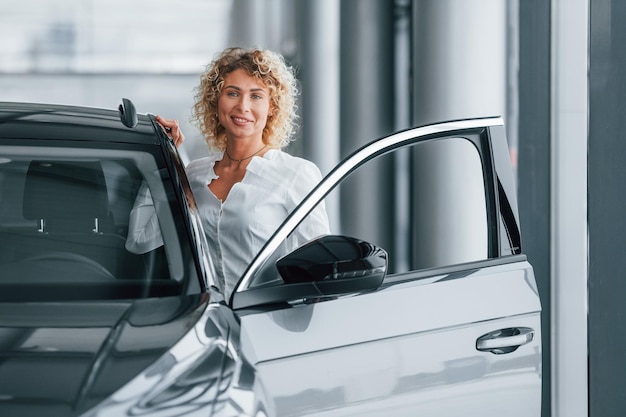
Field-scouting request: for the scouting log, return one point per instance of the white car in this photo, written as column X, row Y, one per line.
column 431, row 311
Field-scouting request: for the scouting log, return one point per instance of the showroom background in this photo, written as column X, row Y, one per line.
column 552, row 69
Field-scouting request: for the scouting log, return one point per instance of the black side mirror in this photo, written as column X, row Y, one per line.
column 335, row 265
column 128, row 113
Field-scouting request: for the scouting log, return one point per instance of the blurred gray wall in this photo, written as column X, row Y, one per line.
column 534, row 166
column 94, row 52
column 607, row 205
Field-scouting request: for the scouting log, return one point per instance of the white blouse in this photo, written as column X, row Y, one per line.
column 237, row 228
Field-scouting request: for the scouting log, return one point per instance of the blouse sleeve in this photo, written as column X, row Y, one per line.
column 316, row 223
column 144, row 233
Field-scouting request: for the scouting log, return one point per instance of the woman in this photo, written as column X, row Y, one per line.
column 246, row 109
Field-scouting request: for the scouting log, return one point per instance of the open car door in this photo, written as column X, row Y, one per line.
column 422, row 302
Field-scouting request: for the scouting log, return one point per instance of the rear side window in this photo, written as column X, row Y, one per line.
column 64, row 223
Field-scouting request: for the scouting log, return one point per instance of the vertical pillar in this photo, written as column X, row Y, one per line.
column 607, row 205
column 569, row 208
column 247, row 28
column 319, row 74
column 460, row 71
column 459, row 61
column 535, row 161
column 367, row 111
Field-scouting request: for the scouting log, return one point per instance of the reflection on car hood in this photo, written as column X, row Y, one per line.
column 60, row 359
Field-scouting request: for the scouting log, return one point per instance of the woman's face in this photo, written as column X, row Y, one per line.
column 243, row 106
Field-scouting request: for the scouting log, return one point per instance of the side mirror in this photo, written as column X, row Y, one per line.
column 128, row 113
column 335, row 265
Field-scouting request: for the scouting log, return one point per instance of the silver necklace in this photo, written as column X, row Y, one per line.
column 243, row 159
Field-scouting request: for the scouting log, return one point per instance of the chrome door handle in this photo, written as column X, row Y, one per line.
column 505, row 340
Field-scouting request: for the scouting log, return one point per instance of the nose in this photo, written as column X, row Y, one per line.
column 243, row 103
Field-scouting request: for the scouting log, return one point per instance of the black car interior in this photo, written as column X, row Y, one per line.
column 65, row 222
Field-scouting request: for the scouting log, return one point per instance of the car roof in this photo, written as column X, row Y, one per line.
column 66, row 122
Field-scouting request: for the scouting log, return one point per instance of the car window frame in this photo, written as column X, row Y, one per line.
column 476, row 131
column 187, row 205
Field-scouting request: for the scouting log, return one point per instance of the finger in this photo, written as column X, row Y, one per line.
column 167, row 124
column 163, row 121
column 179, row 139
column 170, row 127
column 175, row 133
column 172, row 130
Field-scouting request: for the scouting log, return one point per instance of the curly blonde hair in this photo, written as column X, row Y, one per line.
column 272, row 72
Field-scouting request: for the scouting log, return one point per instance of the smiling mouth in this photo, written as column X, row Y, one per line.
column 240, row 120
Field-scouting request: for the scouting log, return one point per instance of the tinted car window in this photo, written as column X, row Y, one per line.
column 64, row 219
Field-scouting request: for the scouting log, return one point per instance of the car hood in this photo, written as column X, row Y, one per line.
column 60, row 359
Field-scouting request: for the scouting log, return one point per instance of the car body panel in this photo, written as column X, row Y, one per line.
column 64, row 358
column 202, row 374
column 410, row 342
column 51, row 121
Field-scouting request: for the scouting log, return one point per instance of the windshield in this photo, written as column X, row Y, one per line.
column 65, row 215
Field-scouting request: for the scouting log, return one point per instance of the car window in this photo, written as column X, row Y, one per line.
column 64, row 222
column 425, row 204
column 426, row 212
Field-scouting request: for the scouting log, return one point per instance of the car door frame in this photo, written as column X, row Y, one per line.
column 498, row 177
